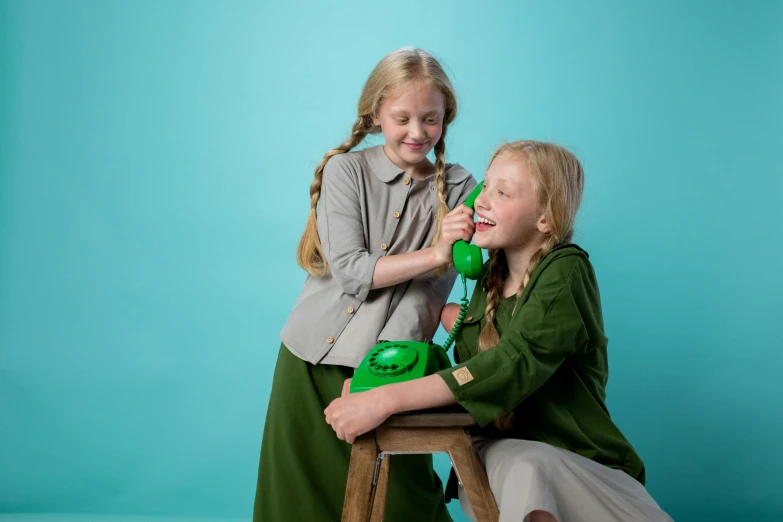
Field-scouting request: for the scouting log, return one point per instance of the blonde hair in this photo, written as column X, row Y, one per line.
column 558, row 180
column 402, row 67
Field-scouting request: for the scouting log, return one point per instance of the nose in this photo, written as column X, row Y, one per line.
column 482, row 201
column 416, row 130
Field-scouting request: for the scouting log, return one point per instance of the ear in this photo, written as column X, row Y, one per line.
column 376, row 120
column 543, row 225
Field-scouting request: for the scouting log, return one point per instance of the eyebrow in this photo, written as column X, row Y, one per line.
column 402, row 112
column 501, row 180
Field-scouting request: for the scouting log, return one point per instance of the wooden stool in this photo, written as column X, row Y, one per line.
column 431, row 431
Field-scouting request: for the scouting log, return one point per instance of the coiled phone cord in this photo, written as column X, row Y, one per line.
column 463, row 311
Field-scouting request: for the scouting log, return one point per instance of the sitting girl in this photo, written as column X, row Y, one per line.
column 532, row 356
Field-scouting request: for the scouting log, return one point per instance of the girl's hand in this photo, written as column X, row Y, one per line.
column 357, row 413
column 448, row 316
column 458, row 224
column 346, row 388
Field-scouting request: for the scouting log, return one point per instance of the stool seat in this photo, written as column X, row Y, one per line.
column 452, row 416
column 440, row 430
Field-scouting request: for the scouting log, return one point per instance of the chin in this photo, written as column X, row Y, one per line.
column 482, row 242
column 413, row 158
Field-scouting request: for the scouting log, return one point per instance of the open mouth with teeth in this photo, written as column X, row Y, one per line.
column 484, row 224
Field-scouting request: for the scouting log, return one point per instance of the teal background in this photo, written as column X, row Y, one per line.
column 155, row 159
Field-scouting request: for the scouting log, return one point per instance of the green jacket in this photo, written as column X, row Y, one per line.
column 550, row 367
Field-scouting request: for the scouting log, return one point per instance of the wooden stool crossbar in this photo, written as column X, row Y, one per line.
column 434, row 431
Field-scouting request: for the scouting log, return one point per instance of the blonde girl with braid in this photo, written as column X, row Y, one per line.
column 377, row 251
column 532, row 358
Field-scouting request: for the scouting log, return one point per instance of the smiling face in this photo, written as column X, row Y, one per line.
column 507, row 207
column 412, row 123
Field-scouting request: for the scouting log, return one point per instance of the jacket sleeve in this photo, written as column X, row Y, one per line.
column 541, row 335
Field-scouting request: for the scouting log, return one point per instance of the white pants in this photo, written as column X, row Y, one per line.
column 527, row 476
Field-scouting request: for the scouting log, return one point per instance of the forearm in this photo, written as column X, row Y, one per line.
column 356, row 413
column 392, row 270
column 419, row 394
column 448, row 316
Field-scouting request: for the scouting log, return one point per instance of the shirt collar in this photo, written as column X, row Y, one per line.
column 381, row 165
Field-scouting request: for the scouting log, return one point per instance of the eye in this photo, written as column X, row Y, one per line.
column 402, row 121
column 502, row 193
column 431, row 121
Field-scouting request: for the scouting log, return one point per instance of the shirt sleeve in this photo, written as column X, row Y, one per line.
column 417, row 316
column 541, row 335
column 341, row 229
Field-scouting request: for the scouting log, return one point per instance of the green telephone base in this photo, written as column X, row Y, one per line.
column 398, row 361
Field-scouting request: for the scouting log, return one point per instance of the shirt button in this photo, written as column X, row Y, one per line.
column 407, row 181
column 351, row 310
column 469, row 318
column 384, row 247
column 330, row 340
column 396, row 215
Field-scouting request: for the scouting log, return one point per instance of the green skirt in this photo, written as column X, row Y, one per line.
column 304, row 466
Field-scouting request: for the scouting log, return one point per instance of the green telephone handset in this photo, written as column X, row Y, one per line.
column 397, row 361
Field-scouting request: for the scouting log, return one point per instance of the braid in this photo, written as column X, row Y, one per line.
column 536, row 258
column 310, row 254
column 494, row 283
column 440, row 180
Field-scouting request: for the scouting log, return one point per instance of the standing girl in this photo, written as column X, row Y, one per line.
column 532, row 357
column 376, row 247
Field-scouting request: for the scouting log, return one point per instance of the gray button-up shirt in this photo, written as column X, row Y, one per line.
column 370, row 208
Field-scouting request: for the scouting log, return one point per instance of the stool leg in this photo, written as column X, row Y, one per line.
column 474, row 479
column 379, row 503
column 359, row 489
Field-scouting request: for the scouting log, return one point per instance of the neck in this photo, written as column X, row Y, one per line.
column 518, row 260
column 421, row 170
